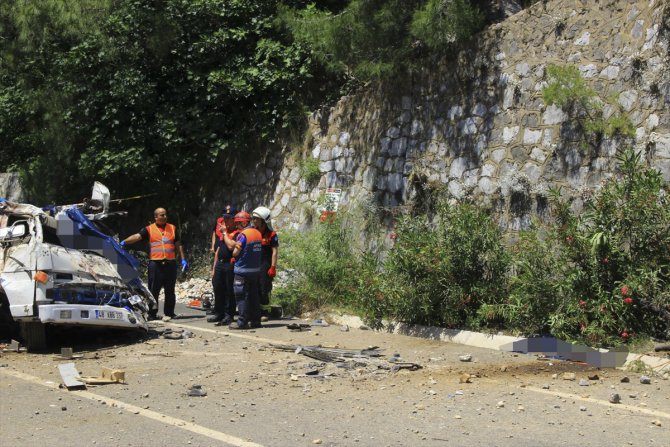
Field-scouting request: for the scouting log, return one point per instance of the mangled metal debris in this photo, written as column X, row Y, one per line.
column 329, row 354
column 361, row 361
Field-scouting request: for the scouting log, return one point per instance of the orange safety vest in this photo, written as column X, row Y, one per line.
column 161, row 243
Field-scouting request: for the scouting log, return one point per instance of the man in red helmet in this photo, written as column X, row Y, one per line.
column 247, row 254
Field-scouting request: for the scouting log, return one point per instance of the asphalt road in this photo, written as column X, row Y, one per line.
column 258, row 394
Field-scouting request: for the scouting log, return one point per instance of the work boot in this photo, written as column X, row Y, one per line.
column 235, row 326
column 214, row 318
column 255, row 324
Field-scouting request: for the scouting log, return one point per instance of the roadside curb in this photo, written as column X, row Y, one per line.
column 481, row 340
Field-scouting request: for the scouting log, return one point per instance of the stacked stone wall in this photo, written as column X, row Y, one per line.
column 477, row 125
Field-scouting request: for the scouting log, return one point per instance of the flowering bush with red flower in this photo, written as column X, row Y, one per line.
column 619, row 244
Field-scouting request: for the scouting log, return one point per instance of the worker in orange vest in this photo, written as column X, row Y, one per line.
column 163, row 244
column 247, row 254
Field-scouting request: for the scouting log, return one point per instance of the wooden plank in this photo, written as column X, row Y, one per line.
column 70, row 376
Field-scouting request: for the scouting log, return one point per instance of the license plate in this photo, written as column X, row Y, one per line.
column 108, row 315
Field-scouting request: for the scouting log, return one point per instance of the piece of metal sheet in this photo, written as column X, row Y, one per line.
column 70, row 376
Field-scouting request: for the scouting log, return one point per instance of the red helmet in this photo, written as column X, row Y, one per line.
column 243, row 217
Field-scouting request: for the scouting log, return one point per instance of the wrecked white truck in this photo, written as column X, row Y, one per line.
column 59, row 269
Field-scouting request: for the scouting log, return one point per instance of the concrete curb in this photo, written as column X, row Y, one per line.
column 480, row 340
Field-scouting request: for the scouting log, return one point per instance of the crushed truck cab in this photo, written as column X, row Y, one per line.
column 59, row 268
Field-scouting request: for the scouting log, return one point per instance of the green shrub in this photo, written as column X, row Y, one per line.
column 324, row 259
column 441, row 274
column 596, row 277
column 310, row 171
column 567, row 89
column 601, row 277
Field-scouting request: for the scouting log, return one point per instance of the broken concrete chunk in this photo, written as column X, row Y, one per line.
column 108, row 376
column 464, row 378
column 569, row 376
column 465, row 357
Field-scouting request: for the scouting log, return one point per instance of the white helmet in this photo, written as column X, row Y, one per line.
column 263, row 213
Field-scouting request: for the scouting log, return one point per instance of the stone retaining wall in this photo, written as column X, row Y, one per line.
column 479, row 126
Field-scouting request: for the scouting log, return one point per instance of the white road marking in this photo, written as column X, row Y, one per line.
column 239, row 334
column 600, row 402
column 156, row 416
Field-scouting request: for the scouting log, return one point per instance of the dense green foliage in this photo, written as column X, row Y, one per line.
column 596, row 277
column 328, row 265
column 148, row 96
column 372, row 39
column 440, row 274
column 143, row 96
column 567, row 89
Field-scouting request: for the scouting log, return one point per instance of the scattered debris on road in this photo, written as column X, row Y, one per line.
column 297, row 327
column 359, row 361
column 465, row 358
column 197, row 391
column 107, row 376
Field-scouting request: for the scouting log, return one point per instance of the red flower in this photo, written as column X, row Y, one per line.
column 582, row 303
column 392, row 236
column 628, row 300
column 624, row 290
column 625, row 334
column 568, row 238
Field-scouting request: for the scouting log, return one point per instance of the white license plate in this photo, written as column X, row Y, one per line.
column 108, row 315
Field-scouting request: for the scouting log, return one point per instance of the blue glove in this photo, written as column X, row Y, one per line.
column 123, row 244
column 184, row 265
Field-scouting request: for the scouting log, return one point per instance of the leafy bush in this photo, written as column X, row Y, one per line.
column 309, row 170
column 596, row 277
column 373, row 39
column 567, row 89
column 324, row 259
column 593, row 278
column 442, row 273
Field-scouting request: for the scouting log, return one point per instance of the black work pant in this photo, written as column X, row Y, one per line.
column 222, row 283
column 163, row 275
column 246, row 295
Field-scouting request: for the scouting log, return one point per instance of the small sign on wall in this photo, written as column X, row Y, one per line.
column 331, row 203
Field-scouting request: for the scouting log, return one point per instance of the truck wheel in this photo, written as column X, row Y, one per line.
column 8, row 327
column 34, row 335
